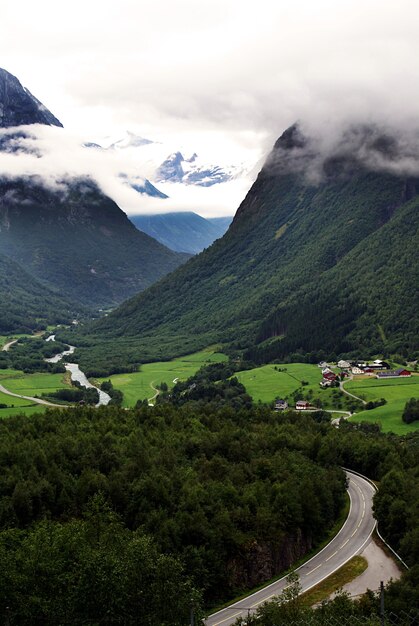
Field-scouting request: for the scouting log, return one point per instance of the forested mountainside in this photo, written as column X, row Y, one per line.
column 320, row 259
column 184, row 231
column 79, row 241
column 26, row 304
column 66, row 232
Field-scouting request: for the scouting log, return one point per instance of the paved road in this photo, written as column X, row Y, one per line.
column 351, row 540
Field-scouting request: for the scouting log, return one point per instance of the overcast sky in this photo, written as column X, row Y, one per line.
column 222, row 77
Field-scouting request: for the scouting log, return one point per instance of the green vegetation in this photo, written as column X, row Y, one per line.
column 337, row 281
column 142, row 385
column 26, row 305
column 352, row 569
column 79, row 242
column 396, row 391
column 213, row 485
column 207, row 485
column 411, row 411
column 34, row 384
column 90, row 571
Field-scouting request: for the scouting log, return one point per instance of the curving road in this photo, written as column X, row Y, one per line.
column 348, row 393
column 351, row 540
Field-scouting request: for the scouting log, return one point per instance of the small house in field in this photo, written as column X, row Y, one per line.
column 400, row 373
column 281, row 405
column 344, row 365
column 329, row 376
column 302, row 405
column 325, row 383
column 357, row 370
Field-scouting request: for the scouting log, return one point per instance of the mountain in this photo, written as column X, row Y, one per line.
column 77, row 240
column 184, row 231
column 67, row 233
column 321, row 258
column 160, row 165
column 18, row 107
column 176, row 169
column 27, row 305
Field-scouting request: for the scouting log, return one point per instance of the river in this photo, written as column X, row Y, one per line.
column 76, row 373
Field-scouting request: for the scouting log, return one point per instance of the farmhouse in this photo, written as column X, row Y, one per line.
column 302, row 405
column 357, row 370
column 394, row 373
column 281, row 405
column 344, row 365
column 329, row 376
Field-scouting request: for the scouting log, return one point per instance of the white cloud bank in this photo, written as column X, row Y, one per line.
column 55, row 154
column 219, row 75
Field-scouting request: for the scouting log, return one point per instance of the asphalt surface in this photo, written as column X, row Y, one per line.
column 353, row 537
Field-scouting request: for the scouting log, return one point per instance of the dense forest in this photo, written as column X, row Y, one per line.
column 27, row 305
column 95, row 503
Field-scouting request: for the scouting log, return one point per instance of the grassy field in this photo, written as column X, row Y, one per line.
column 139, row 385
column 21, row 410
column 267, row 383
column 34, row 384
column 396, row 391
column 26, row 385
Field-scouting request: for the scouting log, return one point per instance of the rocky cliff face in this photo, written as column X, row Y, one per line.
column 262, row 561
column 19, row 107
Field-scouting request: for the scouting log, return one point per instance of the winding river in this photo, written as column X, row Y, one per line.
column 76, row 373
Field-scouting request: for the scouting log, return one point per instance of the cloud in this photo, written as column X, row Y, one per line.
column 55, row 155
column 232, row 67
column 319, row 152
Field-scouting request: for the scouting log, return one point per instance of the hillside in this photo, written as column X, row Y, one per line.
column 26, row 304
column 320, row 258
column 65, row 232
column 78, row 241
column 19, row 107
column 183, row 232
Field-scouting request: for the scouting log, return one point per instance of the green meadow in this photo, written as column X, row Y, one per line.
column 34, row 384
column 396, row 391
column 26, row 385
column 27, row 410
column 266, row 383
column 139, row 385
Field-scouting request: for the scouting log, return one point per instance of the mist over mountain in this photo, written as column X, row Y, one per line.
column 319, row 264
column 61, row 228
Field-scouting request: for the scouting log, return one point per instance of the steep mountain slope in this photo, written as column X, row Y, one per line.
column 77, row 240
column 26, row 304
column 67, row 233
column 184, row 232
column 320, row 258
column 19, row 107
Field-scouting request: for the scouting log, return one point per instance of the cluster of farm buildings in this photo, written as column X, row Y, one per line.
column 379, row 369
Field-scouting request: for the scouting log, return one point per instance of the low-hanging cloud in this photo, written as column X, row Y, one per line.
column 317, row 152
column 54, row 155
